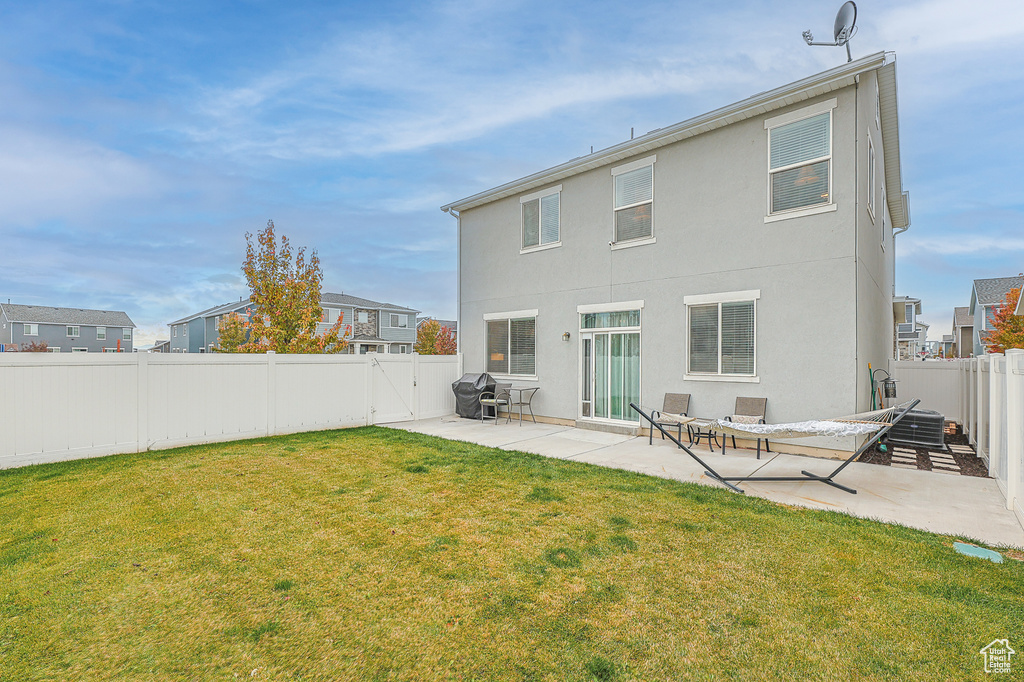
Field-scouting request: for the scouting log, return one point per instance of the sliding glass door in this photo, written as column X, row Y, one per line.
column 610, row 366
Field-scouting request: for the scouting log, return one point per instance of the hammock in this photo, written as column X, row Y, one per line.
column 874, row 425
column 862, row 424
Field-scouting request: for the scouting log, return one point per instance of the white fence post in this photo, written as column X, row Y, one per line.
column 368, row 373
column 142, row 401
column 415, row 386
column 271, row 358
column 1014, row 425
column 996, row 415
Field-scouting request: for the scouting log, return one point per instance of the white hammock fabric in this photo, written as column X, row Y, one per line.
column 863, row 424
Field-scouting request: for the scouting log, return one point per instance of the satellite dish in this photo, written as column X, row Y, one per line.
column 844, row 29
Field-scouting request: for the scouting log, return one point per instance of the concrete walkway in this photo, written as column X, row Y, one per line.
column 963, row 506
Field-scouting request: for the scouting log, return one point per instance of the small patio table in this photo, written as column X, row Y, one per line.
column 701, row 428
column 523, row 396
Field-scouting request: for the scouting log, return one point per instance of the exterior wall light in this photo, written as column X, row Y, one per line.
column 565, row 336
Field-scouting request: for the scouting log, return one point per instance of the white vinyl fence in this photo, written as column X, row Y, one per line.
column 66, row 406
column 992, row 391
column 935, row 382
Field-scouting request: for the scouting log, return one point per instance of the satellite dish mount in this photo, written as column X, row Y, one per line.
column 845, row 28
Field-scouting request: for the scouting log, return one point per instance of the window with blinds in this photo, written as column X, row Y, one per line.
column 800, row 160
column 721, row 338
column 512, row 346
column 540, row 221
column 634, row 204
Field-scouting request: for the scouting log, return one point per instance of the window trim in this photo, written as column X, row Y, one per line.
column 621, row 170
column 77, row 328
column 785, row 119
column 753, row 295
column 540, row 195
column 508, row 317
column 872, row 177
column 100, row 330
column 126, row 333
column 26, row 326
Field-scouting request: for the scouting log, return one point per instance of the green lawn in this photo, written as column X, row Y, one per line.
column 381, row 555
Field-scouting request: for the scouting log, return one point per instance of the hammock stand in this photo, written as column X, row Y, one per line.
column 897, row 412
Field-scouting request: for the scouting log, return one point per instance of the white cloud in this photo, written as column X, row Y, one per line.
column 955, row 245
column 43, row 177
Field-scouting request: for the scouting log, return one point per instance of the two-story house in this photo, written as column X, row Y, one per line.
column 65, row 330
column 744, row 252
column 369, row 326
column 911, row 335
column 987, row 295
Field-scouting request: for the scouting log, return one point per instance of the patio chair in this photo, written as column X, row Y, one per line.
column 524, row 400
column 500, row 397
column 749, row 411
column 676, row 405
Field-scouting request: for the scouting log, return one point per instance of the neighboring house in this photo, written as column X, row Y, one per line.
column 986, row 296
column 963, row 332
column 66, row 330
column 909, row 337
column 744, row 252
column 160, row 347
column 453, row 325
column 369, row 326
column 947, row 346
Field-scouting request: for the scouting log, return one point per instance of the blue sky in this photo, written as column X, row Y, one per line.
column 139, row 141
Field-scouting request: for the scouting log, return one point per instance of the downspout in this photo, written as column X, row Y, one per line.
column 856, row 237
column 458, row 276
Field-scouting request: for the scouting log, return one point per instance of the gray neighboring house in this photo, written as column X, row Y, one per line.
column 66, row 330
column 986, row 296
column 369, row 326
column 910, row 339
column 748, row 251
column 963, row 332
column 453, row 325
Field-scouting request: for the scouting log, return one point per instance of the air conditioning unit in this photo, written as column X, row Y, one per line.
column 920, row 428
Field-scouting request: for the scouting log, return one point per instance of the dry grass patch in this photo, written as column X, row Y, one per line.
column 382, row 555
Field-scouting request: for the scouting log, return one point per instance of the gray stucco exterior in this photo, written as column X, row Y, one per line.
column 66, row 329
column 822, row 280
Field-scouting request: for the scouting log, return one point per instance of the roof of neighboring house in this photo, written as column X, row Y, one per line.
column 451, row 324
column 41, row 314
column 814, row 86
column 993, row 291
column 366, row 338
column 356, row 302
column 336, row 299
column 962, row 317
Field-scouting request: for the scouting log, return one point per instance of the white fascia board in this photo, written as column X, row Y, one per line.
column 888, row 105
column 762, row 103
column 609, row 307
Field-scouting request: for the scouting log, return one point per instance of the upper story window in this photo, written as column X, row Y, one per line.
column 331, row 315
column 800, row 158
column 512, row 343
column 363, row 317
column 721, row 331
column 541, row 218
column 397, row 321
column 101, row 333
column 634, row 200
column 126, row 334
column 73, row 331
column 31, row 330
column 174, row 330
column 184, row 329
column 909, row 312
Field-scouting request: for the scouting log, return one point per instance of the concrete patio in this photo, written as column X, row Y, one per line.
column 962, row 506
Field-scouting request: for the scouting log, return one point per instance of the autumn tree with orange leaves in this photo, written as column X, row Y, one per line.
column 285, row 295
column 433, row 339
column 1007, row 329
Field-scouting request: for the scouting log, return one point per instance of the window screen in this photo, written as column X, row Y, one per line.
column 721, row 338
column 511, row 346
column 799, row 163
column 634, row 204
column 540, row 221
